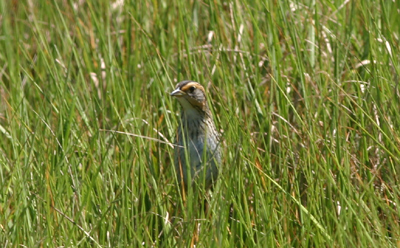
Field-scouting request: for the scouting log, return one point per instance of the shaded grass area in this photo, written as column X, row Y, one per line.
column 305, row 94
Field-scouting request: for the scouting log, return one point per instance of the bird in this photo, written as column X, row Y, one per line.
column 197, row 155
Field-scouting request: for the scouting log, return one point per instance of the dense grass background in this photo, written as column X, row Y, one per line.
column 306, row 93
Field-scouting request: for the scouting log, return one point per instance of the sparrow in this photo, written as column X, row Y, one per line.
column 197, row 156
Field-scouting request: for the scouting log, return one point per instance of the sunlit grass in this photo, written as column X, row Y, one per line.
column 305, row 95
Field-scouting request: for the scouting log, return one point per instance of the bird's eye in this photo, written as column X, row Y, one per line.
column 191, row 89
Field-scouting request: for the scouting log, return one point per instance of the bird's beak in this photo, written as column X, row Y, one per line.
column 177, row 92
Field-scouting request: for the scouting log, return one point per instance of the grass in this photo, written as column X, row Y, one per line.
column 305, row 93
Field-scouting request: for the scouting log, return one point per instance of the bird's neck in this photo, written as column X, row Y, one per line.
column 196, row 114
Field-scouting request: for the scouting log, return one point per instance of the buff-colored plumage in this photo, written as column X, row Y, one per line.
column 197, row 138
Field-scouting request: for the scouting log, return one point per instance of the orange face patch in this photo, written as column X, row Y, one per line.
column 187, row 86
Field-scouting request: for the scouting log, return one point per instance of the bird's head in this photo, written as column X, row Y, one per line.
column 192, row 97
